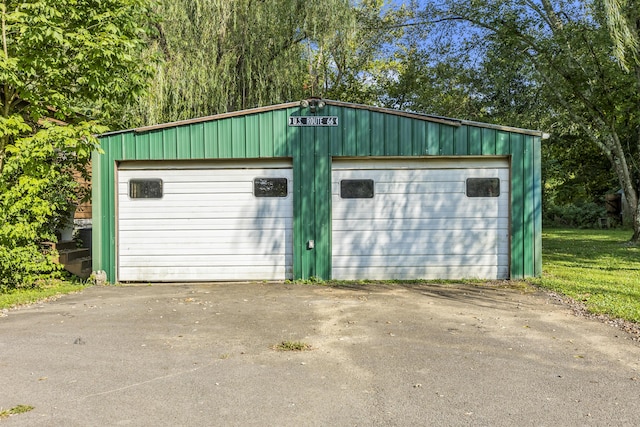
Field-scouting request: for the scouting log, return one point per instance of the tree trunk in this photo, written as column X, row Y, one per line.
column 614, row 150
column 636, row 222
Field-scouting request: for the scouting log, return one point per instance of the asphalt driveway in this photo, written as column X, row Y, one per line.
column 202, row 355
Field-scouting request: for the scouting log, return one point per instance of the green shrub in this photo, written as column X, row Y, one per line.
column 25, row 266
column 583, row 215
column 38, row 192
column 63, row 66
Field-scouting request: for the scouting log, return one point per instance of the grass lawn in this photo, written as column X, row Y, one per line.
column 30, row 295
column 596, row 267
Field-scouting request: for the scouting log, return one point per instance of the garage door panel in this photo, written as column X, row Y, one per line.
column 196, row 175
column 420, row 260
column 216, row 246
column 213, row 248
column 213, row 260
column 206, row 187
column 385, row 224
column 425, row 272
column 357, row 248
column 395, row 176
column 208, row 225
column 425, row 201
column 220, row 187
column 169, row 235
column 420, row 222
column 471, row 238
column 221, row 201
column 413, row 187
column 158, row 212
column 203, row 246
column 367, row 211
column 421, row 187
column 182, row 274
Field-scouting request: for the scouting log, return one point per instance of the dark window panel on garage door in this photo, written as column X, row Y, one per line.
column 483, row 187
column 270, row 187
column 356, row 189
column 145, row 188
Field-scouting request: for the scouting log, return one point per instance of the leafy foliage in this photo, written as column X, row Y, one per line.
column 579, row 215
column 442, row 88
column 622, row 16
column 63, row 64
column 351, row 61
column 575, row 172
column 37, row 193
column 550, row 63
column 218, row 56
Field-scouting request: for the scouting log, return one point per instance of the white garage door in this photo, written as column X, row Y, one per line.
column 420, row 219
column 179, row 222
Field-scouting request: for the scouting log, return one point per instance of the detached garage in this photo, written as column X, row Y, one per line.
column 320, row 189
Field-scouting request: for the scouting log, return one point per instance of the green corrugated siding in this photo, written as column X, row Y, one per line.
column 361, row 133
column 377, row 135
column 432, row 144
column 502, row 144
column 322, row 187
column 461, row 141
column 488, row 142
column 529, row 205
column 307, row 200
column 298, row 232
column 517, row 206
column 537, row 205
column 475, row 141
column 210, row 140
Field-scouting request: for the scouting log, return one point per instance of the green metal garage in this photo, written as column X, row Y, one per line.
column 317, row 189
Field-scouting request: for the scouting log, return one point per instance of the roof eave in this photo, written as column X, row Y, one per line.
column 413, row 115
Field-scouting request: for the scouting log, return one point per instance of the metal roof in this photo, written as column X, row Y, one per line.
column 408, row 114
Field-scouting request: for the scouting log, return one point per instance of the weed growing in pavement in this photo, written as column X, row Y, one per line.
column 292, row 346
column 20, row 409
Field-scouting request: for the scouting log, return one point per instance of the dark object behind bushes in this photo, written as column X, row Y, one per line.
column 583, row 215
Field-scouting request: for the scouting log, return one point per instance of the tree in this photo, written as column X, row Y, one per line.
column 623, row 19
column 218, row 55
column 568, row 47
column 434, row 84
column 65, row 65
column 351, row 62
